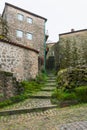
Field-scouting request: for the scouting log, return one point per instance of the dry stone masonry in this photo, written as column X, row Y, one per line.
column 21, row 61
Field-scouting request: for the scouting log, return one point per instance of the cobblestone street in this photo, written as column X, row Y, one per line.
column 68, row 118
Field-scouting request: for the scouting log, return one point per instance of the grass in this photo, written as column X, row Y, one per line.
column 78, row 95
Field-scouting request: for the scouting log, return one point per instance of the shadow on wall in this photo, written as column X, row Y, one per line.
column 50, row 63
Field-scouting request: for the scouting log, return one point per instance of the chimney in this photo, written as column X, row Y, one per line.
column 72, row 30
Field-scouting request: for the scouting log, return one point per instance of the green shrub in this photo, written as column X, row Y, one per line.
column 5, row 103
column 31, row 87
column 81, row 93
column 70, row 78
column 62, row 96
column 42, row 77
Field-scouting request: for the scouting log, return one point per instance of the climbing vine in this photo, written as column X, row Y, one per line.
column 3, row 29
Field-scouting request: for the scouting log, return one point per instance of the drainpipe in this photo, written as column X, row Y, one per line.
column 44, row 48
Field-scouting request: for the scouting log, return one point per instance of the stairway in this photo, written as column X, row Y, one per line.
column 38, row 102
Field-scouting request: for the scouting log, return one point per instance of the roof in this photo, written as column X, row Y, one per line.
column 7, row 4
column 73, row 32
column 19, row 45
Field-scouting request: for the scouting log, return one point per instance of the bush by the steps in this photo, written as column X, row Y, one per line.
column 70, row 78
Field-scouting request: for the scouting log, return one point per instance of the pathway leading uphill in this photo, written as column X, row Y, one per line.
column 38, row 113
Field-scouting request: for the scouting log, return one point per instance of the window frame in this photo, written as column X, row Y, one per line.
column 20, row 17
column 18, row 35
column 29, row 37
column 29, row 20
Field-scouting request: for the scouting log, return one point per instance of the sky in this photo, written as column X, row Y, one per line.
column 62, row 15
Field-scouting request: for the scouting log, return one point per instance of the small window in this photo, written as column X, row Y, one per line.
column 29, row 20
column 19, row 33
column 29, row 36
column 20, row 17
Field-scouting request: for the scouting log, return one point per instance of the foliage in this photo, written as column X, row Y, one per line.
column 41, row 77
column 62, row 95
column 72, row 85
column 79, row 95
column 31, row 87
column 72, row 51
column 4, row 28
column 70, row 78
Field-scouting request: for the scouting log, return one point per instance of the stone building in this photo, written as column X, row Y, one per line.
column 26, row 33
column 25, row 27
column 71, row 49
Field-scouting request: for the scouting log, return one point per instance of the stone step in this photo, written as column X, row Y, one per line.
column 43, row 93
column 51, row 88
column 22, row 111
column 50, row 84
column 51, row 77
column 47, row 90
column 29, row 104
column 41, row 97
column 51, row 80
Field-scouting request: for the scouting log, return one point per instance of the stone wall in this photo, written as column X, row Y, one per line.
column 8, row 85
column 20, row 60
column 72, row 49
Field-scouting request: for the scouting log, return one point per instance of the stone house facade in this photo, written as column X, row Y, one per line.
column 26, row 33
column 25, row 27
column 71, row 49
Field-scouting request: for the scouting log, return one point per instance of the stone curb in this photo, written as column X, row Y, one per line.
column 23, row 111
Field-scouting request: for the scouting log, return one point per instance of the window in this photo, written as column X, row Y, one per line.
column 20, row 17
column 29, row 36
column 19, row 33
column 29, row 20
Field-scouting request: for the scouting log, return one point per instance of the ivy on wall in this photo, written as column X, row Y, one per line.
column 3, row 29
column 72, row 51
